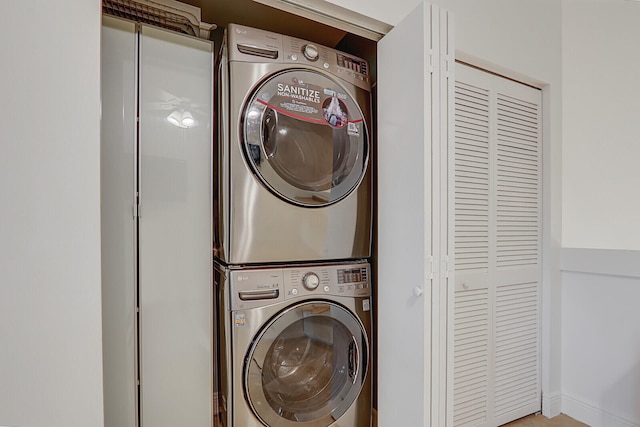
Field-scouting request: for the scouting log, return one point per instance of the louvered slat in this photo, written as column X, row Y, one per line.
column 517, row 329
column 471, row 326
column 517, row 183
column 471, row 178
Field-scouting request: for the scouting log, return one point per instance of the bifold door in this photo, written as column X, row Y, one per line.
column 118, row 225
column 156, row 227
column 498, row 230
column 415, row 90
column 175, row 263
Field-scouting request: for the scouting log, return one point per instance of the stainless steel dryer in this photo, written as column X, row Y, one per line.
column 294, row 152
column 294, row 346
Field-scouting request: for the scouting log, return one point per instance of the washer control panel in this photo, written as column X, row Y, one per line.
column 252, row 288
column 350, row 280
column 248, row 44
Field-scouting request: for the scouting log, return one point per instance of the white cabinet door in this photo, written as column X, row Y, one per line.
column 175, row 262
column 414, row 126
column 117, row 158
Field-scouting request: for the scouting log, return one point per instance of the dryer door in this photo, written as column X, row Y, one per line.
column 305, row 138
column 307, row 365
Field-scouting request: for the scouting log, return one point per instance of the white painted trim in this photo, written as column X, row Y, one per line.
column 551, row 404
column 590, row 414
column 333, row 15
column 601, row 261
column 492, row 67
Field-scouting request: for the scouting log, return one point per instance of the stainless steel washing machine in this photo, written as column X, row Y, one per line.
column 294, row 345
column 293, row 153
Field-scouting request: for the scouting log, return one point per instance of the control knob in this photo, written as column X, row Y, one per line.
column 311, row 281
column 310, row 52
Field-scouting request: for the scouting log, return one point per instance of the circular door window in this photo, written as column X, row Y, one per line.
column 307, row 365
column 305, row 138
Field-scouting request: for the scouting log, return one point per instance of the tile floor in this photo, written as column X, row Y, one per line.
column 541, row 421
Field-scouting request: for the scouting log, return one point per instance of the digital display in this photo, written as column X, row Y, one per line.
column 352, row 275
column 352, row 64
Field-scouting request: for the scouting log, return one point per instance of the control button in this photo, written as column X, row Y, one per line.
column 294, row 57
column 311, row 281
column 311, row 52
column 294, row 292
column 326, row 65
column 327, row 288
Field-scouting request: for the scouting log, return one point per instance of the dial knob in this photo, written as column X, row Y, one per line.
column 310, row 52
column 311, row 281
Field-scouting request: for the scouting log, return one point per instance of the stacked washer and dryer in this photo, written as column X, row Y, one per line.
column 292, row 234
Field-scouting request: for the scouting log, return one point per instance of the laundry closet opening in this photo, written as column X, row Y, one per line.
column 249, row 13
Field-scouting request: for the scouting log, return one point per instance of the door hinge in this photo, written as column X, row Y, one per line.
column 429, row 64
column 445, row 267
column 136, row 206
column 428, row 261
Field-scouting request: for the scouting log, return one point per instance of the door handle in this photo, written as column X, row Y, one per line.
column 353, row 358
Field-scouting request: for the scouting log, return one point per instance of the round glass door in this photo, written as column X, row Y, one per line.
column 305, row 138
column 307, row 365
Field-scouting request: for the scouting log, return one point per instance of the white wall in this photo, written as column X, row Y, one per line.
column 601, row 337
column 50, row 317
column 521, row 39
column 601, row 349
column 601, row 207
column 601, row 148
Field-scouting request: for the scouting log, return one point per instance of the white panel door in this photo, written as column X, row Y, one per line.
column 498, row 233
column 175, row 262
column 117, row 181
column 414, row 92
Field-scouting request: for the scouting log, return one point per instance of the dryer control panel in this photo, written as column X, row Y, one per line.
column 252, row 288
column 253, row 45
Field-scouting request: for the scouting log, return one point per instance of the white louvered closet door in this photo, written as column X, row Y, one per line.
column 498, row 233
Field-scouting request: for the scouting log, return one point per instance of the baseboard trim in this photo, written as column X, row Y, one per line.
column 592, row 415
column 551, row 404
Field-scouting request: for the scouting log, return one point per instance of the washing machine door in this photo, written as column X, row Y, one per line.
column 307, row 365
column 305, row 138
